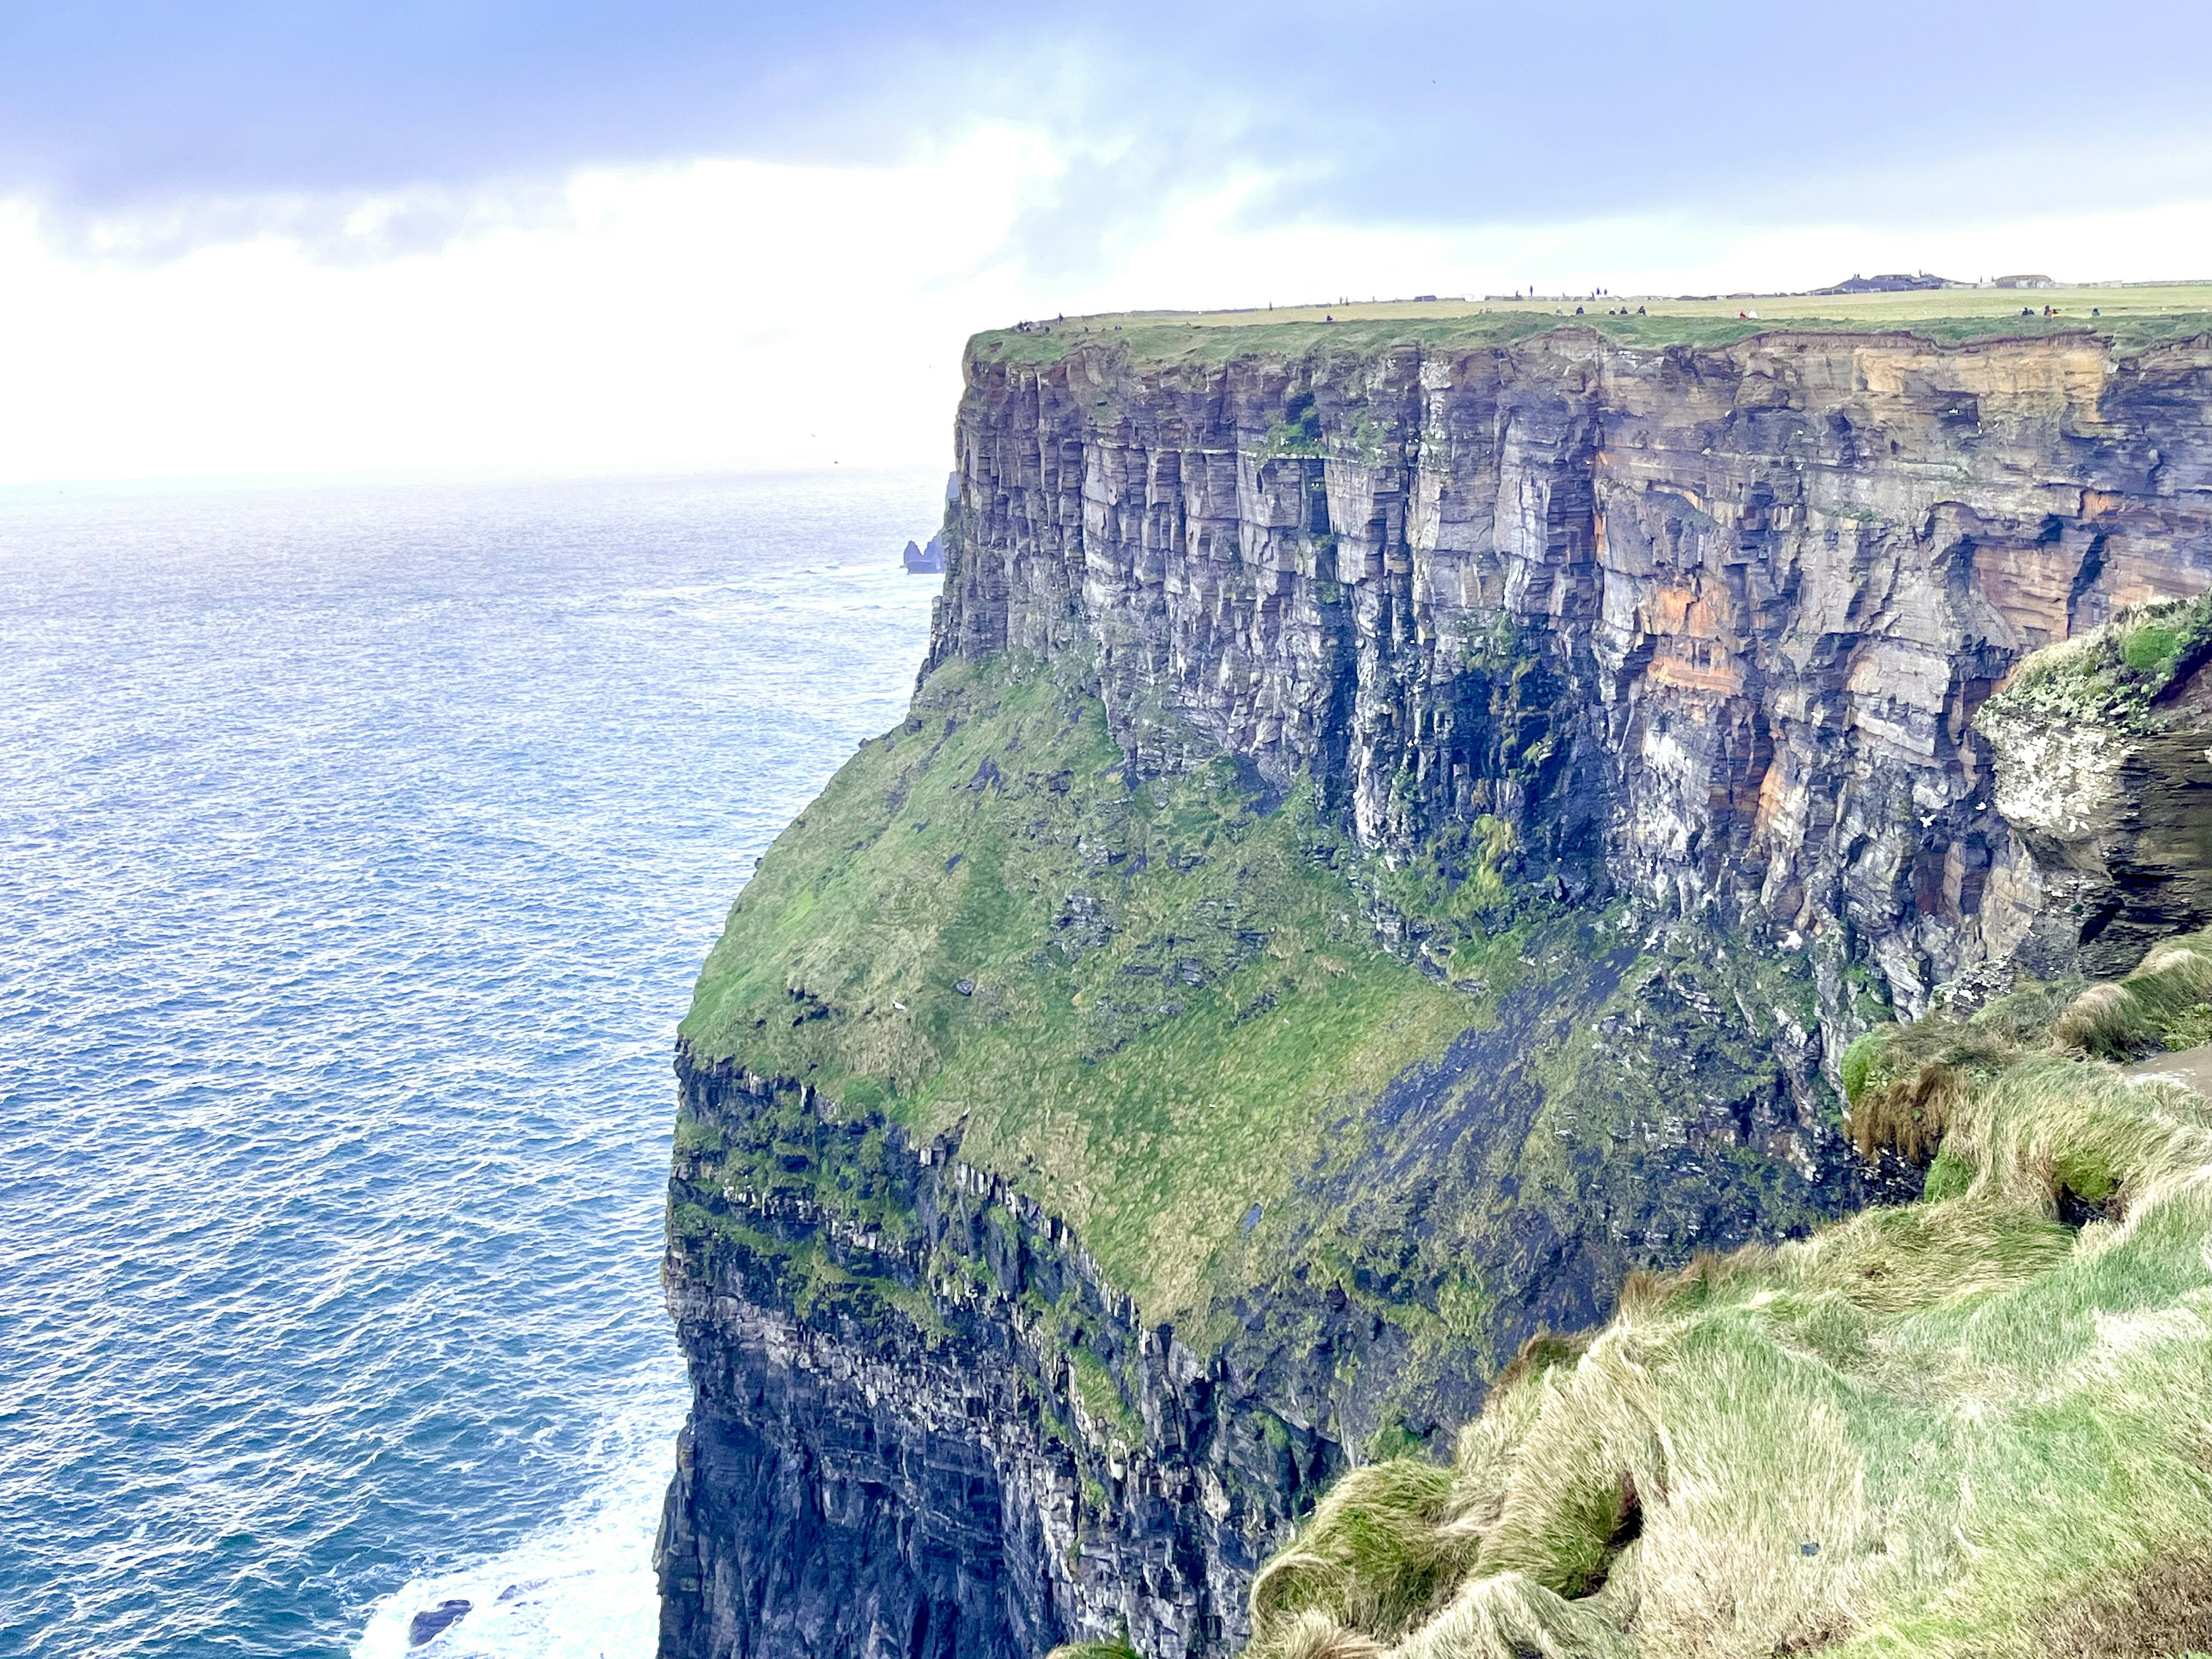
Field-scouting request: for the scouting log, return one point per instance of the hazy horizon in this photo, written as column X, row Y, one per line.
column 679, row 236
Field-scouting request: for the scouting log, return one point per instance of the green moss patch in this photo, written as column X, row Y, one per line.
column 1139, row 999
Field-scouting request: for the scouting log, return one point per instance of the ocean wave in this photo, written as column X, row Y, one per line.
column 580, row 1588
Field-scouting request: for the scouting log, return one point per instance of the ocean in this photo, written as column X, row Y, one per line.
column 358, row 847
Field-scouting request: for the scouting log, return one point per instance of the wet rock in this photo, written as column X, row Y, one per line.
column 430, row 1622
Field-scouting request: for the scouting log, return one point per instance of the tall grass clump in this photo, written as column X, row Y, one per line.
column 1978, row 1425
column 2165, row 1003
column 1905, row 1083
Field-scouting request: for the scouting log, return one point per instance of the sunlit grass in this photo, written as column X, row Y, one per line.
column 1963, row 1426
column 2131, row 315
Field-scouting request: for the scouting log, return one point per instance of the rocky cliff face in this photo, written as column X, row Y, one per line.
column 1640, row 685
column 883, row 1465
column 1774, row 580
column 2102, row 770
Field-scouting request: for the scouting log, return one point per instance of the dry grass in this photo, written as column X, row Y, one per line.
column 1961, row 1427
column 1906, row 1083
column 2145, row 1012
column 1377, row 1557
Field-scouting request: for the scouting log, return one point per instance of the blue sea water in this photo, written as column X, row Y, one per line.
column 358, row 845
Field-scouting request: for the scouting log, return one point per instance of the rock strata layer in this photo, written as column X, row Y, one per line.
column 1776, row 579
column 1692, row 638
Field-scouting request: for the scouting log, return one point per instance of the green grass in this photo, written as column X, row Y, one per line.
column 2111, row 675
column 1103, row 1399
column 1161, row 1010
column 1958, row 1427
column 2165, row 1003
column 2133, row 318
column 1165, row 989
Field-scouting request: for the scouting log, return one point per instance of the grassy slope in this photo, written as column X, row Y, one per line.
column 1962, row 1426
column 1177, row 1011
column 2133, row 318
column 1168, row 988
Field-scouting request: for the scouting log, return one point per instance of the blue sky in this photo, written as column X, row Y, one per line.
column 351, row 172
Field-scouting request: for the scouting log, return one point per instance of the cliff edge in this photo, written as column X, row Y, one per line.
column 1398, row 831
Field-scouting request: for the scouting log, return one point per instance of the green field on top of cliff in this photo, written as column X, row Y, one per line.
column 1160, row 1007
column 1977, row 1425
column 2129, row 316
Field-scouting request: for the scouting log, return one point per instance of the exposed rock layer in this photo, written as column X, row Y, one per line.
column 858, row 1481
column 1776, row 577
column 1707, row 626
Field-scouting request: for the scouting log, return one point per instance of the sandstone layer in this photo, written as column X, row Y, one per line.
column 1776, row 580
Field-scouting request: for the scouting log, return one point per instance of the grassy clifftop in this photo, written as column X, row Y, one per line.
column 1981, row 1423
column 2130, row 317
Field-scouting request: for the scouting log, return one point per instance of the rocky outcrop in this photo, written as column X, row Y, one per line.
column 2104, row 768
column 1774, row 580
column 943, row 1437
column 1686, row 645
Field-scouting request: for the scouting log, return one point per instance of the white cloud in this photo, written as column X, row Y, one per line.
column 718, row 315
column 739, row 314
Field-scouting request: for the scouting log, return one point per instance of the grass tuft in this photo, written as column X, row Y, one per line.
column 1977, row 1425
column 2165, row 1003
column 1375, row 1556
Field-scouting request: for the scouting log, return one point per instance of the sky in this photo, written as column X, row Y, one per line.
column 659, row 235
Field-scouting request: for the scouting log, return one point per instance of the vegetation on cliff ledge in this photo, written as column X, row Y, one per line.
column 1980, row 1423
column 1139, row 999
column 2111, row 676
column 1164, row 1010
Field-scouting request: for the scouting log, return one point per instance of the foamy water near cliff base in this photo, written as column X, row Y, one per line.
column 581, row 1589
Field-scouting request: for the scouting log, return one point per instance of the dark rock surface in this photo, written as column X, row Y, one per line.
column 858, row 1480
column 431, row 1622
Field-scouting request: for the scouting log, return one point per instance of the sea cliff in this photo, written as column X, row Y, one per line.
column 1396, row 831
